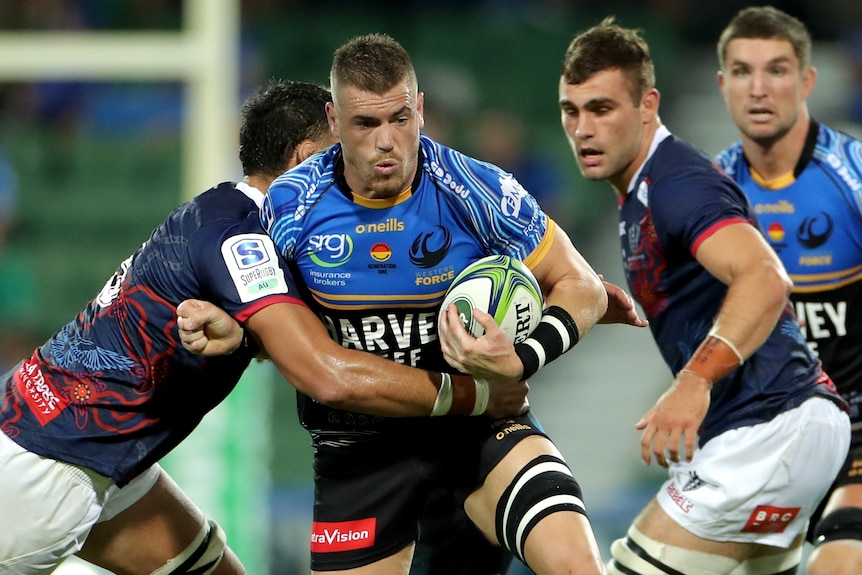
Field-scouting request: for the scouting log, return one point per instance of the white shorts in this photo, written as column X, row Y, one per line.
column 48, row 507
column 761, row 483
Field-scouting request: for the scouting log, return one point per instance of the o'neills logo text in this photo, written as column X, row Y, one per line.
column 43, row 401
column 342, row 536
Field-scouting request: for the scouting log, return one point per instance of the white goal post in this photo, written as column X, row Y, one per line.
column 203, row 55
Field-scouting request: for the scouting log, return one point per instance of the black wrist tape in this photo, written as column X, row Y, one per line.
column 556, row 334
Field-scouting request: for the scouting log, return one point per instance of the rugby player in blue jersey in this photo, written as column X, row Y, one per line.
column 87, row 416
column 751, row 429
column 366, row 224
column 804, row 180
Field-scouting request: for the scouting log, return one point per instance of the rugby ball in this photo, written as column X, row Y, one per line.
column 501, row 286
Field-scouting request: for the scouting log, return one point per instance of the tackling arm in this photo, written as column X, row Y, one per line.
column 299, row 346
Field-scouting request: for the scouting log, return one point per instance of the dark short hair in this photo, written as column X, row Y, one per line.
column 608, row 46
column 275, row 120
column 373, row 63
column 768, row 23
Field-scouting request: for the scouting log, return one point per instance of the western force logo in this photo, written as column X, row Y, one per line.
column 428, row 249
column 253, row 265
column 330, row 250
column 814, row 231
column 330, row 537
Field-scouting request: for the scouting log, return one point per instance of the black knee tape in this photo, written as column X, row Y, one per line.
column 543, row 486
column 843, row 523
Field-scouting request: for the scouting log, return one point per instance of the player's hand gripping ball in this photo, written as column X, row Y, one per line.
column 503, row 287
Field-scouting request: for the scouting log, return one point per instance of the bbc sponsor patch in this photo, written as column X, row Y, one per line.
column 253, row 265
column 770, row 519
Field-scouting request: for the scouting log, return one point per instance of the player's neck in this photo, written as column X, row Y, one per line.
column 259, row 182
column 775, row 159
column 623, row 180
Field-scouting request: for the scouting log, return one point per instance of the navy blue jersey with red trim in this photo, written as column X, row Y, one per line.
column 114, row 390
column 678, row 200
column 812, row 218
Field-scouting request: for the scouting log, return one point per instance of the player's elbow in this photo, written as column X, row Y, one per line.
column 330, row 389
column 782, row 283
column 593, row 290
column 774, row 286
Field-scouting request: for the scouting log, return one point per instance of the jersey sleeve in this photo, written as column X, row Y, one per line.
column 506, row 217
column 290, row 197
column 689, row 206
column 239, row 268
column 853, row 161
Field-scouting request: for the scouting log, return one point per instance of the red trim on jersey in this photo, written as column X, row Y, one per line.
column 708, row 232
column 258, row 305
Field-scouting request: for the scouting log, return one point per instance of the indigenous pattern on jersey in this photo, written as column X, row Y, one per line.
column 377, row 270
column 678, row 200
column 114, row 390
column 813, row 220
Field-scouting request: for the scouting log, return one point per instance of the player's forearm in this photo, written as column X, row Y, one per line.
column 361, row 382
column 755, row 300
column 569, row 282
column 583, row 296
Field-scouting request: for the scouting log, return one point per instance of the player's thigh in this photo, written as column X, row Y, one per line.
column 849, row 495
column 531, row 502
column 395, row 564
column 46, row 509
column 158, row 527
column 653, row 522
column 481, row 504
column 839, row 550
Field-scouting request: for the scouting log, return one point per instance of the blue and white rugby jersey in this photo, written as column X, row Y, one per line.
column 812, row 217
column 377, row 270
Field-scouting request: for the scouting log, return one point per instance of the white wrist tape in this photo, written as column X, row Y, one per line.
column 443, row 403
column 729, row 344
column 482, row 395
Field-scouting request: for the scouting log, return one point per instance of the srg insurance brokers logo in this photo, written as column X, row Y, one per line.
column 330, row 250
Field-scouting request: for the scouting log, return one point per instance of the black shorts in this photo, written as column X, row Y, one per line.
column 369, row 496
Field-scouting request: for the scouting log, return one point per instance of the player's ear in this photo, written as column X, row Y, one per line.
column 809, row 80
column 304, row 150
column 649, row 105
